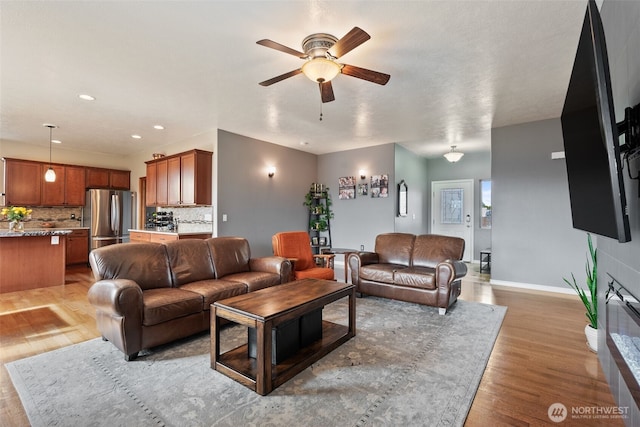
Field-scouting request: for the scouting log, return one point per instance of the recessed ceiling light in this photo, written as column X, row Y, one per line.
column 304, row 143
column 56, row 141
column 86, row 97
column 134, row 136
column 158, row 127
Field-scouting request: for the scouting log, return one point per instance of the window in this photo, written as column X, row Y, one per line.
column 485, row 203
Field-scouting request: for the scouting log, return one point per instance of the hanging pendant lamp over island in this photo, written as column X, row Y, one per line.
column 50, row 175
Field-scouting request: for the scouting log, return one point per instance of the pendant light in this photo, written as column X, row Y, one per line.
column 50, row 175
column 453, row 155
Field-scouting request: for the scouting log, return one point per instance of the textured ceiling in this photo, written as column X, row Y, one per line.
column 458, row 68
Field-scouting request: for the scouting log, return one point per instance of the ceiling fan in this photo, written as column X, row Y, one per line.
column 321, row 52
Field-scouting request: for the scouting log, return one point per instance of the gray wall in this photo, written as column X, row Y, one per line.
column 358, row 221
column 474, row 166
column 413, row 170
column 533, row 240
column 258, row 206
column 621, row 20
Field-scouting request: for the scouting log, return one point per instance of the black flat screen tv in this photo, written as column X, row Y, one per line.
column 592, row 149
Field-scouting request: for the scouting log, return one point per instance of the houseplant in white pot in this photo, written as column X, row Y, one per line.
column 590, row 301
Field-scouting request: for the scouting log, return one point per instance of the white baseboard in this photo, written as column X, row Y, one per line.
column 533, row 287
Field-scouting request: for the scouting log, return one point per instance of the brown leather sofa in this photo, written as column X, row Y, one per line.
column 147, row 294
column 424, row 269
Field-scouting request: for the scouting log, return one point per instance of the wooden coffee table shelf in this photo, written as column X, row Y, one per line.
column 266, row 309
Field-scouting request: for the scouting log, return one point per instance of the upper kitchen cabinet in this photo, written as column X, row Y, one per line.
column 67, row 189
column 22, row 181
column 182, row 179
column 108, row 178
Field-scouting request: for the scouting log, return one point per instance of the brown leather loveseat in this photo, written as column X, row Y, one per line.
column 424, row 269
column 147, row 294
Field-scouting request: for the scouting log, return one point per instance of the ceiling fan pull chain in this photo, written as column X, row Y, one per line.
column 320, row 111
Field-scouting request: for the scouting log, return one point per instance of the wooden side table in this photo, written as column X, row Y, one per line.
column 345, row 252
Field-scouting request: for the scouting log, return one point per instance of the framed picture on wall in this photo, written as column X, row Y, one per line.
column 380, row 186
column 363, row 189
column 347, row 187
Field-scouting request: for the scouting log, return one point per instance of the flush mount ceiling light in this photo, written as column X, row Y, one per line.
column 453, row 155
column 50, row 175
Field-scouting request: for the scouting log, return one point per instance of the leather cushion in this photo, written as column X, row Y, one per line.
column 229, row 254
column 255, row 280
column 394, row 248
column 416, row 277
column 215, row 290
column 431, row 249
column 190, row 261
column 162, row 305
column 380, row 272
column 147, row 264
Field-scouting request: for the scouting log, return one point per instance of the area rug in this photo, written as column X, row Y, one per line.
column 407, row 366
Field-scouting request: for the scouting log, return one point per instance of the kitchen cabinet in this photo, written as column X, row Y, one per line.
column 182, row 179
column 108, row 178
column 67, row 189
column 22, row 182
column 78, row 246
column 161, row 183
column 150, row 197
column 163, row 236
column 139, row 236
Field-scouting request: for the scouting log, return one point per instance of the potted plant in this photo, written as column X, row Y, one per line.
column 590, row 301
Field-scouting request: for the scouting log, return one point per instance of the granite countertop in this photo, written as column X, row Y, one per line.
column 36, row 232
column 182, row 231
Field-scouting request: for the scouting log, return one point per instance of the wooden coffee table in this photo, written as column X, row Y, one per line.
column 264, row 310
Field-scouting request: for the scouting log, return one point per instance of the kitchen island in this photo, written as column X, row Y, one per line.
column 32, row 259
column 162, row 234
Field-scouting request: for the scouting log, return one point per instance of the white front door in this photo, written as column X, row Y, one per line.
column 452, row 211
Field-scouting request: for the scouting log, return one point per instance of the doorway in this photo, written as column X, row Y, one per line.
column 452, row 211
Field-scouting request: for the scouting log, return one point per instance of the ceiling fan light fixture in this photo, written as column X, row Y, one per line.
column 453, row 155
column 320, row 70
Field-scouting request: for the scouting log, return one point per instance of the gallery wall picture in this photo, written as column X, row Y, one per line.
column 363, row 189
column 380, row 186
column 346, row 187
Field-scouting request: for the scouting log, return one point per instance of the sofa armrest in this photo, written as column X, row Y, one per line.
column 119, row 297
column 357, row 260
column 272, row 264
column 449, row 271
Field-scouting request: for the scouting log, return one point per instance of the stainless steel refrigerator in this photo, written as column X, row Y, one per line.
column 109, row 214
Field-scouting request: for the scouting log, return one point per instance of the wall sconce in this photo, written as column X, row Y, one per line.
column 271, row 170
column 453, row 155
column 363, row 174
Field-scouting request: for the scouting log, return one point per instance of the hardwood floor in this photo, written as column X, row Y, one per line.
column 540, row 356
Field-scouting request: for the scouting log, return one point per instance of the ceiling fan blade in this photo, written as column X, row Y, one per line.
column 364, row 74
column 280, row 77
column 350, row 41
column 326, row 92
column 281, row 48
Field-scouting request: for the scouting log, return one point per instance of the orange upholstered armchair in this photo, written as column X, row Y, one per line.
column 296, row 246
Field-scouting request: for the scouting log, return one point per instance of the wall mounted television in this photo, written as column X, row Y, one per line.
column 590, row 132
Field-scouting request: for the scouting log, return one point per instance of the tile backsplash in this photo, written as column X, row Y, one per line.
column 60, row 216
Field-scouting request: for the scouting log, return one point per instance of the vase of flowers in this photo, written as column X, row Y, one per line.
column 16, row 215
